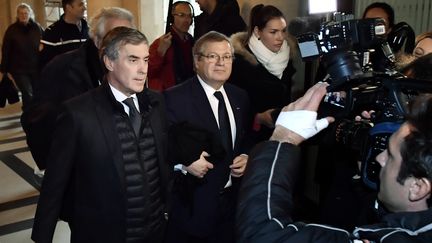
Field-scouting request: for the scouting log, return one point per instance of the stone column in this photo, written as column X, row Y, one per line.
column 4, row 18
column 39, row 10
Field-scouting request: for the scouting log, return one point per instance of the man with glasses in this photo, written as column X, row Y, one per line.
column 171, row 54
column 219, row 112
column 106, row 173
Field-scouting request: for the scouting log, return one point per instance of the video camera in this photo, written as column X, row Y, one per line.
column 341, row 44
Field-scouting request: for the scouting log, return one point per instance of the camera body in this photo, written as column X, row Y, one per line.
column 345, row 46
column 342, row 34
column 389, row 97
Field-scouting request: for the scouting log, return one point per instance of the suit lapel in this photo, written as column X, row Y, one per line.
column 202, row 105
column 105, row 115
column 235, row 106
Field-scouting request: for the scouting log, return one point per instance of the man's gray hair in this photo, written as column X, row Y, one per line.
column 97, row 23
column 119, row 37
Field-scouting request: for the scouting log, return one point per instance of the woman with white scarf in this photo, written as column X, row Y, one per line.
column 262, row 64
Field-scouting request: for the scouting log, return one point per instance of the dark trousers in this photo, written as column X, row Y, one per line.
column 223, row 232
column 24, row 83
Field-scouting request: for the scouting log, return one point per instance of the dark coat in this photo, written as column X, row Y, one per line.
column 70, row 74
column 84, row 180
column 66, row 76
column 20, row 48
column 266, row 203
column 61, row 37
column 225, row 19
column 265, row 90
column 188, row 102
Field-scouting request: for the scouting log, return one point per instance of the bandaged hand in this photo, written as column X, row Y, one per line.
column 298, row 121
column 302, row 122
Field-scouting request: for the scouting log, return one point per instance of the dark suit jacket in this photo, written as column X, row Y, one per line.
column 84, row 180
column 188, row 102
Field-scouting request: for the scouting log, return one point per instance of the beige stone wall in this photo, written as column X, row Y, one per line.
column 8, row 14
column 149, row 15
column 5, row 17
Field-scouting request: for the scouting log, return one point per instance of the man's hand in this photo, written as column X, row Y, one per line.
column 200, row 167
column 164, row 44
column 365, row 115
column 239, row 165
column 303, row 110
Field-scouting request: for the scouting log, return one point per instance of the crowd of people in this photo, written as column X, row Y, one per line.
column 195, row 138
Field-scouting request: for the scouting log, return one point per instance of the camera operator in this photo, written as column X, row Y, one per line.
column 381, row 10
column 266, row 199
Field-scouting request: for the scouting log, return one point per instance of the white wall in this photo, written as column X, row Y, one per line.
column 152, row 18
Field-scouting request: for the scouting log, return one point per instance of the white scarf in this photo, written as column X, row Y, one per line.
column 275, row 63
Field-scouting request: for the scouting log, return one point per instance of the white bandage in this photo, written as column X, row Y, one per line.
column 302, row 122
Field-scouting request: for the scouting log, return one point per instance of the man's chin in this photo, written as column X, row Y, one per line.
column 139, row 90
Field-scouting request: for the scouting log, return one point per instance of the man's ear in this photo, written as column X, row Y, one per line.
column 195, row 62
column 109, row 64
column 420, row 188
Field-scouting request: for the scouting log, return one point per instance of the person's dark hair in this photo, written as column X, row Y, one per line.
column 66, row 2
column 260, row 15
column 420, row 68
column 212, row 36
column 416, row 149
column 384, row 6
column 119, row 37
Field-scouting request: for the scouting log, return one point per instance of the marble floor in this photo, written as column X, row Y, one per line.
column 19, row 190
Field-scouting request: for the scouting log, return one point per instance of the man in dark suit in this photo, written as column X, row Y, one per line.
column 107, row 174
column 66, row 76
column 206, row 102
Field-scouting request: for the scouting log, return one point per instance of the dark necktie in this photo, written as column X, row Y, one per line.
column 224, row 123
column 134, row 115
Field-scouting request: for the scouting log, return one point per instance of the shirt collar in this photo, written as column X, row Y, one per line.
column 209, row 90
column 119, row 96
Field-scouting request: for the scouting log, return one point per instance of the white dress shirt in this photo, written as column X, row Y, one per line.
column 120, row 97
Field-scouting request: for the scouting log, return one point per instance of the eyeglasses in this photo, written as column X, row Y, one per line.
column 183, row 15
column 214, row 58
